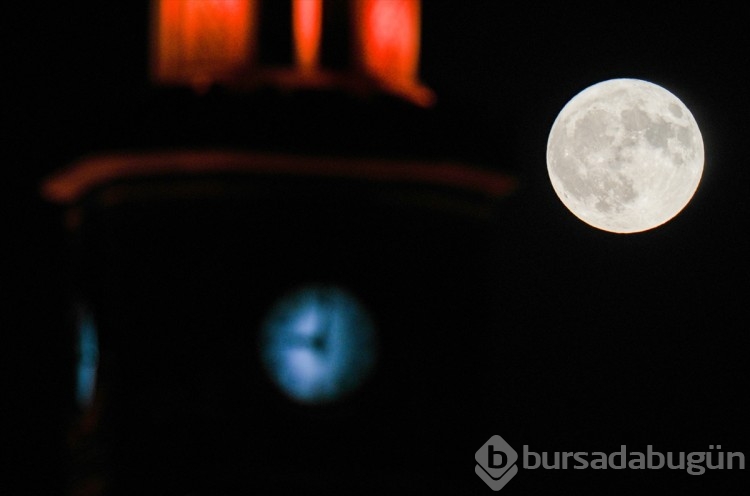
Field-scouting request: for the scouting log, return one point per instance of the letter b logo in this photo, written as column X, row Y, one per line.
column 496, row 462
column 492, row 455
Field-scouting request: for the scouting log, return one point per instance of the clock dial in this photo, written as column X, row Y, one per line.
column 318, row 344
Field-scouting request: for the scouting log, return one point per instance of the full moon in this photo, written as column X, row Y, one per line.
column 625, row 155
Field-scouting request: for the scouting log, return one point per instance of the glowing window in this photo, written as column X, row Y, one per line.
column 87, row 359
column 389, row 33
column 199, row 41
column 307, row 19
column 318, row 344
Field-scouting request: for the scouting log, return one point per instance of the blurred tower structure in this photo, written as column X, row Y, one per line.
column 279, row 154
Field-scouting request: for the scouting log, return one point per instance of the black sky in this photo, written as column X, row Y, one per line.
column 628, row 338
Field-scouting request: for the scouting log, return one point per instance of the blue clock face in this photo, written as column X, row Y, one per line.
column 318, row 344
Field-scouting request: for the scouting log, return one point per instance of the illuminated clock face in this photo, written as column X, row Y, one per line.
column 318, row 344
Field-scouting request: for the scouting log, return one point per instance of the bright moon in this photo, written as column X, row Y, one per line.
column 625, row 155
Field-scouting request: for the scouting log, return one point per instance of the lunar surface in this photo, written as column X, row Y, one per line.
column 625, row 155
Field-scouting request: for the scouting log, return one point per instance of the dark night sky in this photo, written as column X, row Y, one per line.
column 644, row 335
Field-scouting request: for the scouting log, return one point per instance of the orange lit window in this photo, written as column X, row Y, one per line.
column 197, row 41
column 389, row 35
column 307, row 18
